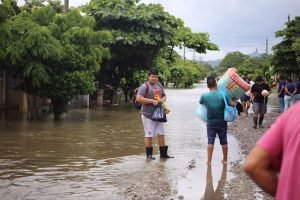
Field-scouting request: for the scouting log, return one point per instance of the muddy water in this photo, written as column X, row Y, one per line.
column 99, row 154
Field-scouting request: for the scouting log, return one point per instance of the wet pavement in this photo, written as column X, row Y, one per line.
column 99, row 154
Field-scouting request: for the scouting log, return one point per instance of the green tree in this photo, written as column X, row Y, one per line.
column 140, row 32
column 177, row 74
column 233, row 59
column 207, row 69
column 8, row 9
column 199, row 42
column 192, row 73
column 247, row 66
column 163, row 66
column 83, row 51
column 138, row 77
column 296, row 46
column 30, row 5
column 286, row 58
column 56, row 55
column 56, row 5
column 256, row 66
column 30, row 49
column 144, row 36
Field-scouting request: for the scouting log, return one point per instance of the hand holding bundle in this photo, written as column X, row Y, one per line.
column 164, row 105
column 160, row 111
column 265, row 93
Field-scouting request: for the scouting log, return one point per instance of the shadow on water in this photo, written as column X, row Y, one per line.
column 99, row 154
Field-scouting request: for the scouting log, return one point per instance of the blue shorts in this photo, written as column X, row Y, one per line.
column 212, row 132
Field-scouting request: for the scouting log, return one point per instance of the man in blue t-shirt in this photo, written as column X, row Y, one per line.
column 289, row 91
column 281, row 93
column 214, row 102
column 297, row 94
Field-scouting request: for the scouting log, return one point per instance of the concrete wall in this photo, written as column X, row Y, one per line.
column 2, row 88
column 81, row 101
column 16, row 97
column 1, row 92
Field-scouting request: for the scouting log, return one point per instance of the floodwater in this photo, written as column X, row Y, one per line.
column 99, row 154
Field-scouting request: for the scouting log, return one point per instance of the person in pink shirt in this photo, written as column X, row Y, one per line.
column 274, row 163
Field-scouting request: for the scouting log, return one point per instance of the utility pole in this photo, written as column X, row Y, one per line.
column 66, row 5
column 183, row 53
column 267, row 46
column 194, row 55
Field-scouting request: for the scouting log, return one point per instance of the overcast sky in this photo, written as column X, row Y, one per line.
column 234, row 25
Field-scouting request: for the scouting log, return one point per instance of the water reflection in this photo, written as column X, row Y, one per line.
column 92, row 179
column 99, row 154
column 103, row 134
column 210, row 193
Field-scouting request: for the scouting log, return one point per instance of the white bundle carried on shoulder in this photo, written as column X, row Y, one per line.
column 248, row 93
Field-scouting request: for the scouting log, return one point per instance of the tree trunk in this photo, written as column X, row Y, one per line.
column 31, row 107
column 126, row 95
column 59, row 107
column 100, row 97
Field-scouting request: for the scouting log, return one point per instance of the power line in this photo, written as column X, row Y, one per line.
column 254, row 45
column 238, row 36
column 251, row 45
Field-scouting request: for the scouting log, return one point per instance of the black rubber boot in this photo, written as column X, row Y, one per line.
column 260, row 120
column 149, row 152
column 164, row 152
column 255, row 122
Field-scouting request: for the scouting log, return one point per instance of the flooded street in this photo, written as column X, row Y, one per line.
column 100, row 154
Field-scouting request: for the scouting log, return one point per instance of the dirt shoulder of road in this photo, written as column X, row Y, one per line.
column 241, row 186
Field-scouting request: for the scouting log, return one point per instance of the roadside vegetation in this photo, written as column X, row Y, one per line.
column 58, row 55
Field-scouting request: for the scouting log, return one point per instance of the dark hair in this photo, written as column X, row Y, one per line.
column 153, row 71
column 246, row 79
column 281, row 77
column 259, row 78
column 211, row 82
